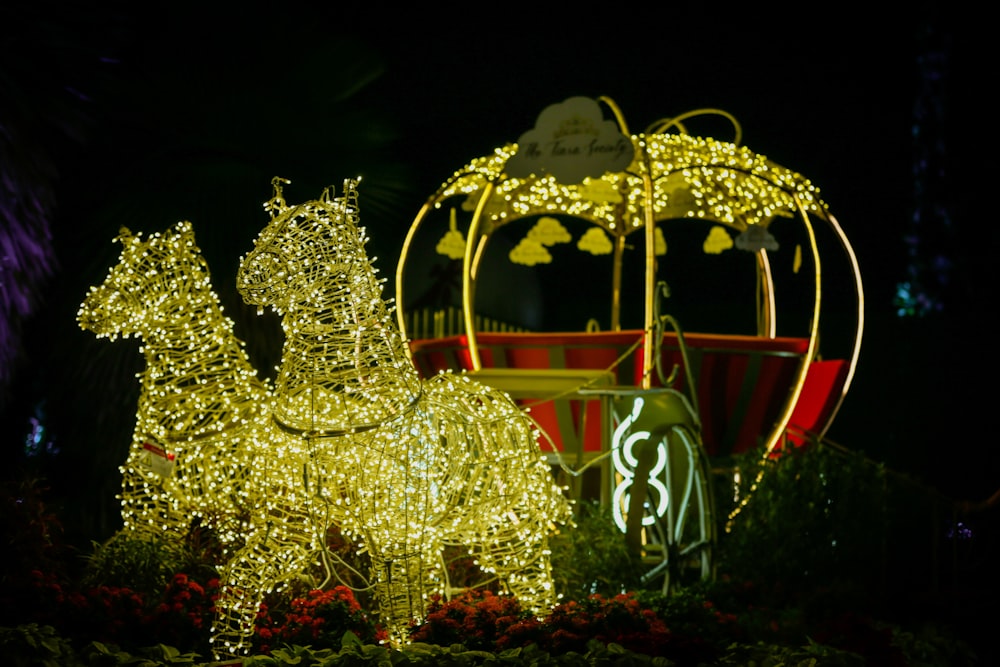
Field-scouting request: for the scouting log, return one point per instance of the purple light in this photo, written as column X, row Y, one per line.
column 960, row 531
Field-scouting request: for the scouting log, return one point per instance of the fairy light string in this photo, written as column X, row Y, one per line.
column 200, row 398
column 404, row 467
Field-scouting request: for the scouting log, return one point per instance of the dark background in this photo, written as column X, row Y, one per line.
column 142, row 115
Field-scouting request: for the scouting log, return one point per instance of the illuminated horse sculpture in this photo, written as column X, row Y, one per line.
column 199, row 395
column 403, row 466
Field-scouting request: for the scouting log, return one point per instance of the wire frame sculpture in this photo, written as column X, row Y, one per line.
column 404, row 467
column 200, row 397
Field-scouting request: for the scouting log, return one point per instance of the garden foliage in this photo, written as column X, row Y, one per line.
column 796, row 586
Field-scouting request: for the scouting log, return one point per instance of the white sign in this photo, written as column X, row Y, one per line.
column 157, row 459
column 571, row 141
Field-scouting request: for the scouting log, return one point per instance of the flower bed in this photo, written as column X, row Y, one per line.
column 137, row 602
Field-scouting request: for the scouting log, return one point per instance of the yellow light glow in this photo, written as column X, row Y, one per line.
column 718, row 180
column 199, row 397
column 405, row 467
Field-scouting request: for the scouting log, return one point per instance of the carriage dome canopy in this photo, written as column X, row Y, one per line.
column 675, row 174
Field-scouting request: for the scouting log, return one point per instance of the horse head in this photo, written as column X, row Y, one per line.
column 152, row 279
column 303, row 253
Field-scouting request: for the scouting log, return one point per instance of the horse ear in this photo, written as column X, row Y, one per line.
column 124, row 235
column 351, row 198
column 186, row 229
column 351, row 186
column 276, row 205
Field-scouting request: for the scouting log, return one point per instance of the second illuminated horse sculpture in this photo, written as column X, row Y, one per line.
column 200, row 398
column 404, row 466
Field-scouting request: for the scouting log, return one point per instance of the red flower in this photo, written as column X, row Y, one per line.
column 320, row 618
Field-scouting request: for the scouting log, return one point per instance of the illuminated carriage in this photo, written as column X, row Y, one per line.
column 635, row 410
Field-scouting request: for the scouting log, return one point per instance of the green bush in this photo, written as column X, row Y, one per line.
column 593, row 557
column 32, row 644
column 147, row 564
column 816, row 519
column 801, row 601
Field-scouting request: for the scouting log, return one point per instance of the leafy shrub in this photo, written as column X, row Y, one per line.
column 184, row 616
column 593, row 557
column 33, row 644
column 319, row 619
column 779, row 601
column 620, row 619
column 700, row 630
column 106, row 614
column 34, row 557
column 479, row 620
column 834, row 504
column 147, row 564
column 179, row 616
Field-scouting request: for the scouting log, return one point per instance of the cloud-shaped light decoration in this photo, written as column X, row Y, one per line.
column 659, row 243
column 452, row 244
column 756, row 237
column 717, row 241
column 571, row 141
column 595, row 241
column 549, row 231
column 530, row 252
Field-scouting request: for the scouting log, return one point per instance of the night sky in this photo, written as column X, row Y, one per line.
column 142, row 118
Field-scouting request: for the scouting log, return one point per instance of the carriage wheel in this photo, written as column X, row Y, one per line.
column 662, row 499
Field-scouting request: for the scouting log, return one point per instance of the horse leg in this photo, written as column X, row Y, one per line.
column 150, row 505
column 524, row 567
column 271, row 556
column 531, row 582
column 214, row 473
column 405, row 578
